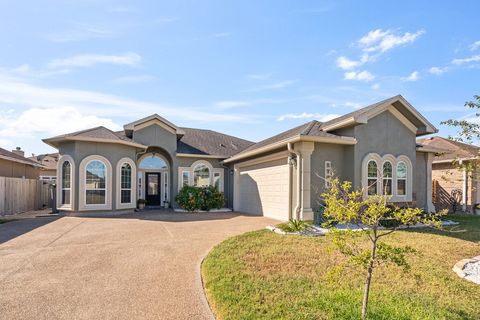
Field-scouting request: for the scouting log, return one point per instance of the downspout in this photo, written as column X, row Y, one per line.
column 299, row 179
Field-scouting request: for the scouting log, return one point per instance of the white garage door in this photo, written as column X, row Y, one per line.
column 263, row 189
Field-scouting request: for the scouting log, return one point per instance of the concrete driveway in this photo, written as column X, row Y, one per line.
column 137, row 266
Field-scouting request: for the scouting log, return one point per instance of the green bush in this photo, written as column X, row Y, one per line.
column 295, row 225
column 200, row 198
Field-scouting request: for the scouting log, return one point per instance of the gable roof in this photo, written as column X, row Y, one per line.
column 404, row 110
column 97, row 134
column 130, row 127
column 451, row 149
column 11, row 156
column 310, row 131
column 208, row 142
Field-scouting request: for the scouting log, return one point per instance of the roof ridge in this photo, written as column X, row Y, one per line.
column 309, row 128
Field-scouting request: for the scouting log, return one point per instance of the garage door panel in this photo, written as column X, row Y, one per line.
column 264, row 189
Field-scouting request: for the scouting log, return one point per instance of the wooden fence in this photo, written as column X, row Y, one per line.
column 20, row 195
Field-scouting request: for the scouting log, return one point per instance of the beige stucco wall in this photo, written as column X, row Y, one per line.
column 17, row 170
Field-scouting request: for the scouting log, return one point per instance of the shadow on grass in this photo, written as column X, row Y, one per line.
column 468, row 228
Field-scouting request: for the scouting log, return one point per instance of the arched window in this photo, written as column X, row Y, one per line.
column 401, row 178
column 201, row 176
column 66, row 183
column 153, row 162
column 372, row 177
column 95, row 182
column 387, row 178
column 126, row 184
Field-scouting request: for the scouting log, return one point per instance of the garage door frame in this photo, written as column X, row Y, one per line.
column 238, row 167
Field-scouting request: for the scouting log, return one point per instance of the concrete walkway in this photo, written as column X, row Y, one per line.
column 137, row 266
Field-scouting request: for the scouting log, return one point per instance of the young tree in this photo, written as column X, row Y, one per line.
column 376, row 220
column 468, row 130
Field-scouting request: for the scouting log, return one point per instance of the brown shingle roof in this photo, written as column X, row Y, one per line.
column 456, row 149
column 48, row 160
column 208, row 142
column 312, row 128
column 16, row 158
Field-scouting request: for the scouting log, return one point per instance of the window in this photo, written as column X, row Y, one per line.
column 201, row 176
column 185, row 178
column 126, row 183
column 387, row 178
column 328, row 174
column 153, row 162
column 216, row 180
column 95, row 177
column 372, row 178
column 66, row 183
column 401, row 178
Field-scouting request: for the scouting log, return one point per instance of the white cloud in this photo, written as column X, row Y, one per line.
column 260, row 76
column 81, row 32
column 227, row 104
column 88, row 60
column 438, row 70
column 383, row 40
column 142, row 78
column 376, row 86
column 474, row 46
column 359, row 75
column 412, row 77
column 273, row 86
column 317, row 116
column 17, row 94
column 50, row 122
column 346, row 64
column 221, row 35
column 467, row 60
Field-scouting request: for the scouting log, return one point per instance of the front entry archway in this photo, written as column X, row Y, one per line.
column 153, row 179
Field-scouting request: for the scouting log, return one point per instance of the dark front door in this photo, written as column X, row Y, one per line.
column 152, row 192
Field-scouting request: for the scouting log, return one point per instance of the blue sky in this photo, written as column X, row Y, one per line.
column 246, row 68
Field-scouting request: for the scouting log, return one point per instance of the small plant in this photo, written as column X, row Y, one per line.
column 200, row 198
column 141, row 203
column 294, row 225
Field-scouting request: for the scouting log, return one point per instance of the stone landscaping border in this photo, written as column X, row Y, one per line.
column 459, row 269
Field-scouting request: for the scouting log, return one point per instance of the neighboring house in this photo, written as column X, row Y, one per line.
column 13, row 164
column 280, row 177
column 454, row 187
column 49, row 162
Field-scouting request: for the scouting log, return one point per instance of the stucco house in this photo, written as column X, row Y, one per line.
column 454, row 187
column 281, row 177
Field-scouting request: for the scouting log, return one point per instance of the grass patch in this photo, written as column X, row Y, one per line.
column 263, row 275
column 6, row 220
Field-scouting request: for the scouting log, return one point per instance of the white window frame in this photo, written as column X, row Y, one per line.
column 392, row 166
column 401, row 179
column 83, row 206
column 328, row 174
column 380, row 160
column 190, row 170
column 70, row 206
column 367, row 184
column 133, row 186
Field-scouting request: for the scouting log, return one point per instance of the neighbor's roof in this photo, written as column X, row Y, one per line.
column 97, row 134
column 452, row 149
column 48, row 160
column 11, row 156
column 208, row 142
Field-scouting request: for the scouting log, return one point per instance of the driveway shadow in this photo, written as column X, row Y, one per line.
column 12, row 229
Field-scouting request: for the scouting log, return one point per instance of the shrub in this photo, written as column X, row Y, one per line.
column 295, row 225
column 200, row 198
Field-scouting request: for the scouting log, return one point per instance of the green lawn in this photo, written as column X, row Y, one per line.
column 262, row 275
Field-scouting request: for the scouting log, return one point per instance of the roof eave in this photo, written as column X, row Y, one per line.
column 54, row 141
column 193, row 155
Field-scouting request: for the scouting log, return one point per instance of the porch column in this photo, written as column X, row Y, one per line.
column 305, row 149
column 430, row 206
column 236, row 185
